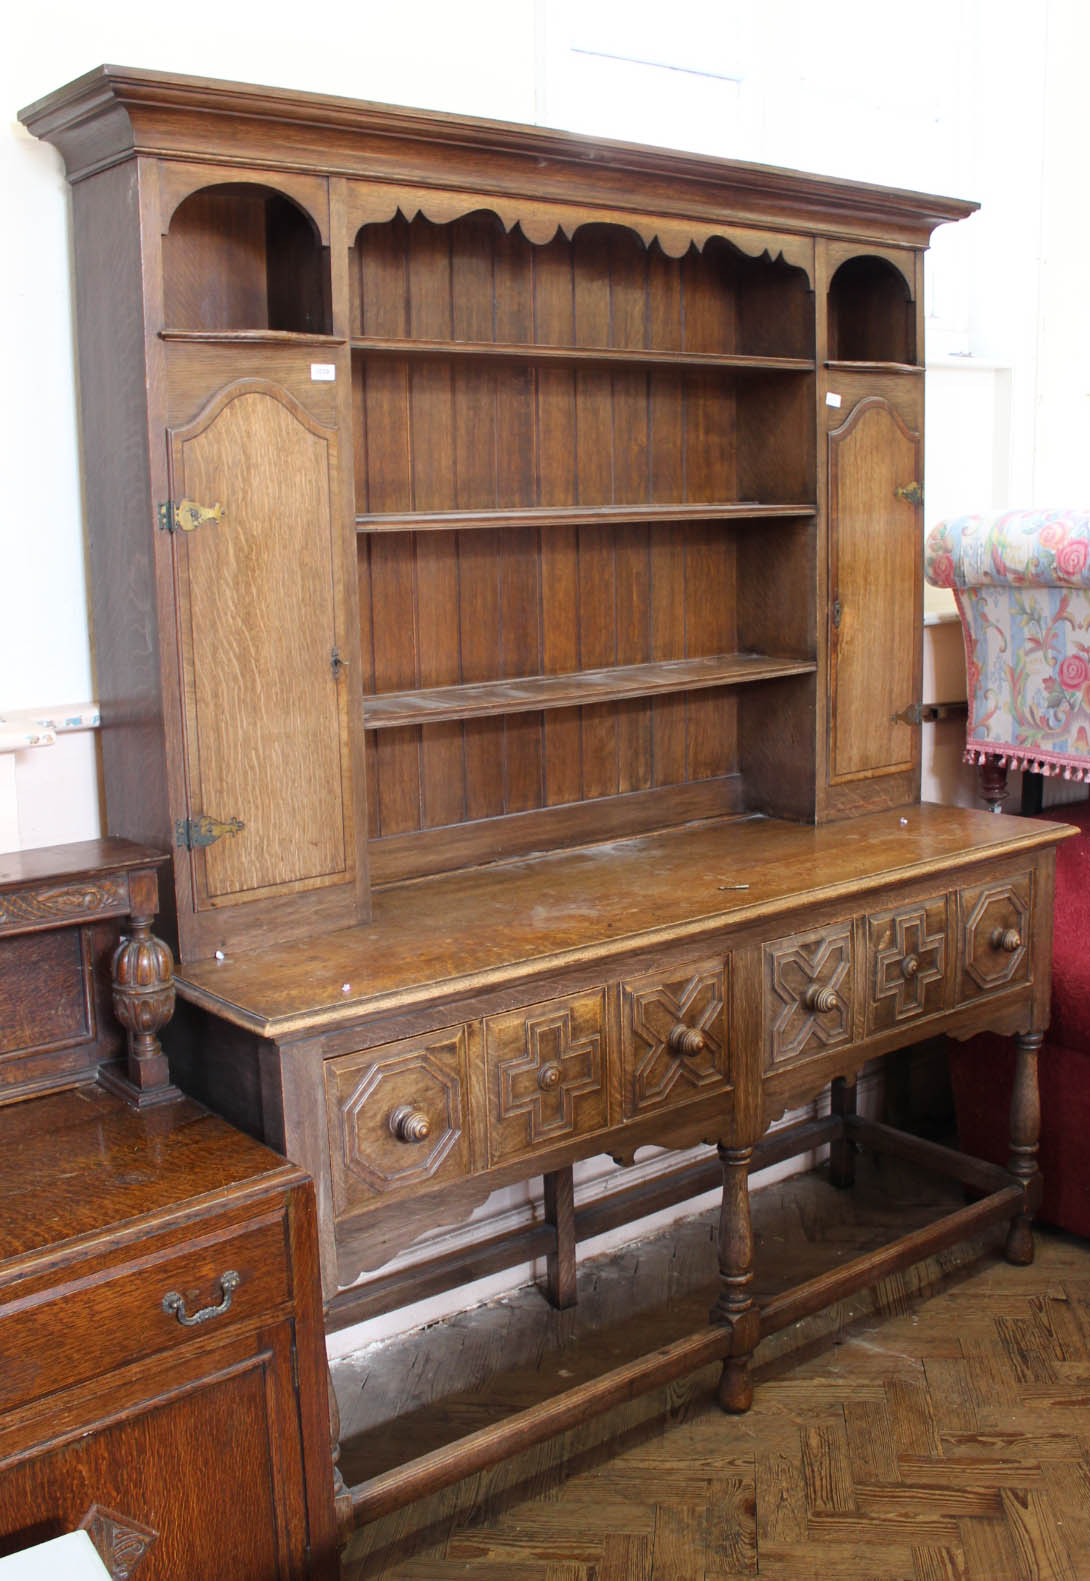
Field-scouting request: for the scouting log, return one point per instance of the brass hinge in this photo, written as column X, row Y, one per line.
column 837, row 612
column 193, row 832
column 187, row 515
column 337, row 664
column 927, row 713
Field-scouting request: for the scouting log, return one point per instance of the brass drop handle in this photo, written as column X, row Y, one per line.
column 910, row 492
column 821, row 999
column 548, row 1077
column 174, row 1302
column 1008, row 939
column 409, row 1124
column 686, row 1042
column 909, row 967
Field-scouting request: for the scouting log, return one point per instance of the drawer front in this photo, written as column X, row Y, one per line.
column 673, row 1038
column 907, row 964
column 808, row 994
column 99, row 1321
column 993, row 936
column 397, row 1117
column 545, row 1070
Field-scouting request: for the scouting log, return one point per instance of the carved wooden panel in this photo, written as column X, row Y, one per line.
column 396, row 1117
column 260, row 619
column 807, row 994
column 546, row 1075
column 907, row 960
column 673, row 1038
column 993, row 936
column 45, row 991
column 41, row 904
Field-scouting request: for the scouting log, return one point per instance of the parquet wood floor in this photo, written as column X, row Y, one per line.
column 935, row 1428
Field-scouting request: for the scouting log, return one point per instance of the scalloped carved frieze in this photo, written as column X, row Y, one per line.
column 661, row 1066
column 994, row 928
column 545, row 1075
column 540, row 221
column 74, row 902
column 908, row 958
column 807, row 995
column 398, row 1111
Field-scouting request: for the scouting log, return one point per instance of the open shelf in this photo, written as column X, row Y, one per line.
column 577, row 516
column 628, row 356
column 871, row 315
column 531, row 694
column 251, row 337
column 844, row 366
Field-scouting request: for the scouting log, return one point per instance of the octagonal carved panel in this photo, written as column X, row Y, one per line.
column 994, row 931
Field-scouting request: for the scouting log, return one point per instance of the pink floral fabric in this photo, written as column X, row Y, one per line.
column 1021, row 581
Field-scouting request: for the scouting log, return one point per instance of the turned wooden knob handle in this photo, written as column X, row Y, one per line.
column 548, row 1077
column 686, row 1041
column 910, row 966
column 1008, row 939
column 821, row 999
column 409, row 1124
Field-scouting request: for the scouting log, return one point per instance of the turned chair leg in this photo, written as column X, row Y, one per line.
column 734, row 1304
column 1025, row 1132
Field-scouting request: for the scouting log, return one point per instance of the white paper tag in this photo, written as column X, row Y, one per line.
column 326, row 372
column 831, row 399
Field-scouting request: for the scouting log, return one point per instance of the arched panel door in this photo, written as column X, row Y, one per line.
column 875, row 567
column 260, row 634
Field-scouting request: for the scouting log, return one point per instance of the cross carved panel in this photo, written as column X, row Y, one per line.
column 545, row 1075
column 807, row 994
column 660, row 1064
column 908, row 960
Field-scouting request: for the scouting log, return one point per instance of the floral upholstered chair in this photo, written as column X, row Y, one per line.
column 1021, row 581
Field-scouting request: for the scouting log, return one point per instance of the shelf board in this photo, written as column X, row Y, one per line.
column 576, row 516
column 621, row 355
column 530, row 694
column 251, row 337
column 875, row 367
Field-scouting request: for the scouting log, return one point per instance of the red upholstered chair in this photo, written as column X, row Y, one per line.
column 1021, row 581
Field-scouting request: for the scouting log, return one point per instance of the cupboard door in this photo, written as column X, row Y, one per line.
column 875, row 554
column 260, row 633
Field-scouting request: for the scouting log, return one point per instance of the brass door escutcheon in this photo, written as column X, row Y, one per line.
column 911, row 492
column 188, row 515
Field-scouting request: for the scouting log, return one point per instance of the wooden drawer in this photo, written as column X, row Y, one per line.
column 89, row 1323
column 994, row 922
column 808, row 993
column 673, row 1038
column 907, row 964
column 396, row 1117
column 546, row 1075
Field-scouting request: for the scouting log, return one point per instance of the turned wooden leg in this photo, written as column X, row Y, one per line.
column 842, row 1151
column 342, row 1499
column 560, row 1213
column 143, row 1000
column 1025, row 1131
column 735, row 1301
column 993, row 783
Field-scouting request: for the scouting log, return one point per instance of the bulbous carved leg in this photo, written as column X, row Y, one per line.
column 735, row 1301
column 143, row 997
column 1025, row 1131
